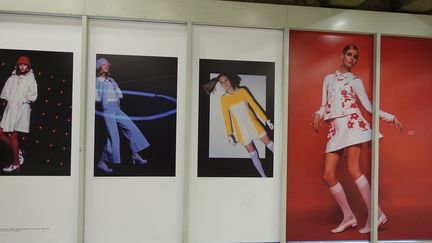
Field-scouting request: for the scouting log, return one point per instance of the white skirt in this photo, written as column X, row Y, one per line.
column 348, row 130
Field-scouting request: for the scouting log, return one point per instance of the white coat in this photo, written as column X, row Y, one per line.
column 19, row 91
column 339, row 97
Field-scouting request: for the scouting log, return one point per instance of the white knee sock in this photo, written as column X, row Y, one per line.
column 270, row 146
column 365, row 191
column 257, row 163
column 340, row 197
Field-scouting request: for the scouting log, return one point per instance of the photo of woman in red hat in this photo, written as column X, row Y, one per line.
column 19, row 91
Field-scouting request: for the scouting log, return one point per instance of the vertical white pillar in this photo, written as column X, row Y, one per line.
column 83, row 129
column 284, row 144
column 375, row 137
column 188, row 116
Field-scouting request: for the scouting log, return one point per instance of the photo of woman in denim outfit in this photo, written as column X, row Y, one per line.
column 109, row 94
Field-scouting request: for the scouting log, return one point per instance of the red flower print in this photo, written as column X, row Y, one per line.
column 350, row 124
column 331, row 132
column 353, row 105
column 354, row 116
column 362, row 124
column 344, row 92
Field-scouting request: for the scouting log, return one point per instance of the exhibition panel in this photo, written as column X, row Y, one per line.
column 329, row 134
column 40, row 70
column 228, row 183
column 136, row 84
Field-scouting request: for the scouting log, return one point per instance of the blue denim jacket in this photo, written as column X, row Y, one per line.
column 107, row 91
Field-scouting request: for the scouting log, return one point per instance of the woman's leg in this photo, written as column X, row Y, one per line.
column 111, row 151
column 112, row 146
column 267, row 142
column 12, row 141
column 4, row 138
column 255, row 158
column 362, row 183
column 14, row 147
column 137, row 141
column 353, row 154
column 329, row 176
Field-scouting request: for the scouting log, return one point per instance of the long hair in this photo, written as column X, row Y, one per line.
column 210, row 85
column 234, row 79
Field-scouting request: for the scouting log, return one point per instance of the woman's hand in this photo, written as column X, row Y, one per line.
column 232, row 140
column 316, row 122
column 270, row 124
column 398, row 125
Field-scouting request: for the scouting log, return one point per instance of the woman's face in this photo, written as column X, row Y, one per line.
column 23, row 67
column 104, row 68
column 350, row 58
column 225, row 82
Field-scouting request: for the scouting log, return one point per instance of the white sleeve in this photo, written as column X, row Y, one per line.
column 6, row 91
column 31, row 94
column 119, row 92
column 359, row 90
column 98, row 97
column 321, row 110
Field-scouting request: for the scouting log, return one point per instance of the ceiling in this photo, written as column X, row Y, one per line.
column 400, row 6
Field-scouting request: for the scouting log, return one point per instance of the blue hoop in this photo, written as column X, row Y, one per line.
column 143, row 118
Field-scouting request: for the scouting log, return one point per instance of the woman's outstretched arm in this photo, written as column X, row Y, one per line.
column 364, row 99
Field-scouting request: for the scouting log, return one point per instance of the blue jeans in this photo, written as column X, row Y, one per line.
column 115, row 119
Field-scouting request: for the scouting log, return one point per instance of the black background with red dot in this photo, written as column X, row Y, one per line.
column 47, row 147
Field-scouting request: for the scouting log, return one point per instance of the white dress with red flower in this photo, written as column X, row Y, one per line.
column 339, row 107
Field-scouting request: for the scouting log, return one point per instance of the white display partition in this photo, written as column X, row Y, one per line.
column 43, row 209
column 135, row 209
column 235, row 209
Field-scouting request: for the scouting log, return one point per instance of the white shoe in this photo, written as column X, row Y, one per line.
column 11, row 168
column 104, row 167
column 345, row 224
column 20, row 157
column 137, row 159
column 381, row 220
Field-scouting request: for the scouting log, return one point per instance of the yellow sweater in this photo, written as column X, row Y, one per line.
column 239, row 111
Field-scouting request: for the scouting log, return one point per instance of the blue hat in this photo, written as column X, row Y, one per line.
column 101, row 61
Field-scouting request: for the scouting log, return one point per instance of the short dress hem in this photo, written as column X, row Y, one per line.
column 347, row 131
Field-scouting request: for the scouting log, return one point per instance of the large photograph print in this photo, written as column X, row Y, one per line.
column 135, row 118
column 329, row 133
column 35, row 112
column 235, row 118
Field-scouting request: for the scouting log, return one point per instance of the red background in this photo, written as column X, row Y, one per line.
column 406, row 161
column 311, row 210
